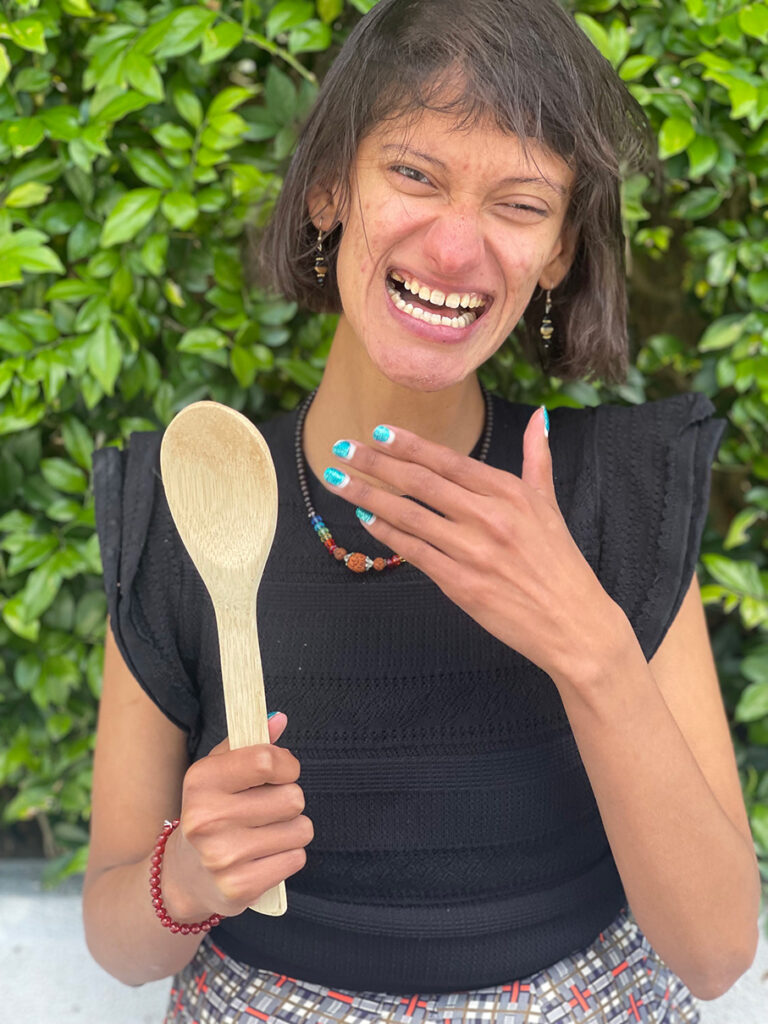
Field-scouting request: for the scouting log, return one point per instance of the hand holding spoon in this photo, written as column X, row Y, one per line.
column 222, row 493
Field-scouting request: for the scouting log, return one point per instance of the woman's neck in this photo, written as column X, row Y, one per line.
column 354, row 397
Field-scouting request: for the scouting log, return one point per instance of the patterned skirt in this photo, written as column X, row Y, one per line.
column 618, row 979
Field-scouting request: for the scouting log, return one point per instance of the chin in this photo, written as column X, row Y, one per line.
column 419, row 375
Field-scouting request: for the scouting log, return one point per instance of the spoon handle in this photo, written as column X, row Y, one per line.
column 245, row 705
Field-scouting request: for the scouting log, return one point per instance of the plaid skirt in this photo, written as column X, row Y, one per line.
column 618, row 979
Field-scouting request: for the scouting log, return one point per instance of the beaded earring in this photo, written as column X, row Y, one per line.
column 321, row 263
column 547, row 328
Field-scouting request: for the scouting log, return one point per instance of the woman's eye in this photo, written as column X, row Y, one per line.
column 412, row 173
column 526, row 208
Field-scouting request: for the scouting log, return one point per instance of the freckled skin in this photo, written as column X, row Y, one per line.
column 461, row 229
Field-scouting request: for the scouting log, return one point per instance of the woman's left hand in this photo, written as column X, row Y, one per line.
column 501, row 549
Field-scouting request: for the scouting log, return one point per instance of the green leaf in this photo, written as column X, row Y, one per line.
column 753, row 20
column 78, row 8
column 153, row 253
column 173, row 136
column 698, row 203
column 118, row 107
column 758, row 819
column 183, row 31
column 703, row 154
column 29, row 553
column 105, row 356
column 722, row 333
column 636, row 66
column 40, row 590
column 32, row 80
column 31, row 194
column 313, row 37
column 150, row 167
column 753, row 703
column 188, row 106
column 674, row 136
column 306, row 376
column 24, row 135
column 287, row 14
column 16, row 620
column 5, row 64
column 227, row 100
column 129, row 215
column 180, row 209
column 90, row 614
column 62, row 475
column 144, row 76
column 219, row 40
column 742, row 578
column 757, row 286
column 721, row 267
column 203, row 341
column 329, row 10
column 28, row 34
column 77, row 440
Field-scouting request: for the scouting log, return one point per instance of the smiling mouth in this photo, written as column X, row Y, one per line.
column 432, row 306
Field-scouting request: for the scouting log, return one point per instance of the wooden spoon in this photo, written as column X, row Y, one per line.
column 222, row 492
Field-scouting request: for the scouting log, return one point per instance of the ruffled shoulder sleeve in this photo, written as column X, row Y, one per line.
column 143, row 559
column 653, row 464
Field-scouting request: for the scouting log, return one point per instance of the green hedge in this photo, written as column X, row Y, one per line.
column 136, row 144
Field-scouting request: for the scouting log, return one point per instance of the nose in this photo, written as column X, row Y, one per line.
column 454, row 242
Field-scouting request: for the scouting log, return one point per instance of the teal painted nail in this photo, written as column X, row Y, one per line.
column 272, row 714
column 365, row 516
column 335, row 477
column 383, row 434
column 344, row 449
column 546, row 420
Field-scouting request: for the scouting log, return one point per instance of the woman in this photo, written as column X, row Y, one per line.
column 506, row 716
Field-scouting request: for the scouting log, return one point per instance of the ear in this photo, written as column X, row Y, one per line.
column 322, row 207
column 555, row 271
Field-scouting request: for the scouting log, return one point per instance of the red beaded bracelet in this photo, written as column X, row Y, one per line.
column 157, row 893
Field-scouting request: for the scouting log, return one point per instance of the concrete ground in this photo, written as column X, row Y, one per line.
column 48, row 977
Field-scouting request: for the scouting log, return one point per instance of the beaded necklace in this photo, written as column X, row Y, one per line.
column 356, row 561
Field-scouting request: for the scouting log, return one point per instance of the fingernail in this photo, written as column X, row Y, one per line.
column 272, row 714
column 365, row 516
column 383, row 434
column 546, row 420
column 344, row 449
column 335, row 477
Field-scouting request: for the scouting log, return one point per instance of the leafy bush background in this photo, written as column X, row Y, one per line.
column 137, row 140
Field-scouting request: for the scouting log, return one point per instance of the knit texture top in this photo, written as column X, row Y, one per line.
column 457, row 842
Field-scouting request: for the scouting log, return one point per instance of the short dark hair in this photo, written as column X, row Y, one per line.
column 527, row 67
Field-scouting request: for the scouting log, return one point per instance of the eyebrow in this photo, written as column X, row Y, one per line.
column 514, row 180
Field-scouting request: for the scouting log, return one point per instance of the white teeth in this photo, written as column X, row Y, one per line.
column 452, row 300
column 428, row 316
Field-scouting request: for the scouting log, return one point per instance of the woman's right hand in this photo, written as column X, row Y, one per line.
column 242, row 829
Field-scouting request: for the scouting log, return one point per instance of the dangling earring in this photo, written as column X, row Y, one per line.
column 547, row 328
column 321, row 263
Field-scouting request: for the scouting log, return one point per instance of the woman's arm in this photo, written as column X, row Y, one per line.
column 655, row 743
column 215, row 862
column 653, row 739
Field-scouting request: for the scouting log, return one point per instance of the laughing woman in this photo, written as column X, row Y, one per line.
column 518, row 799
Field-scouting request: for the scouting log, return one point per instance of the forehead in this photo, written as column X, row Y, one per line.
column 481, row 149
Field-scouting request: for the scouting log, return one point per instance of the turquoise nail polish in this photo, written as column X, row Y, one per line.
column 365, row 516
column 344, row 449
column 546, row 420
column 272, row 714
column 383, row 434
column 335, row 477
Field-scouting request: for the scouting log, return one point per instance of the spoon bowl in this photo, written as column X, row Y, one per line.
column 221, row 488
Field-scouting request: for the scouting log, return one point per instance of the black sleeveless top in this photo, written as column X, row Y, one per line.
column 457, row 842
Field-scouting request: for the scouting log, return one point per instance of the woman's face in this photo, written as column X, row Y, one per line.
column 447, row 236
